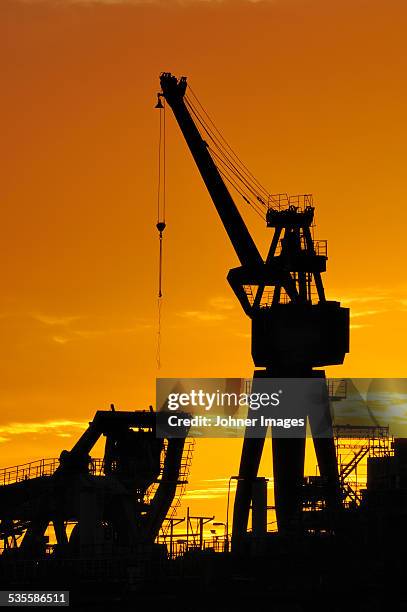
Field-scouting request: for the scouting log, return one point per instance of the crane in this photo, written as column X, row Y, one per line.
column 295, row 329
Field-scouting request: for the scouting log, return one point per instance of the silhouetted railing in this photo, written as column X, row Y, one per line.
column 39, row 468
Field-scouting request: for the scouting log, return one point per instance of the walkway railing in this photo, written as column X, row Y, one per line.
column 41, row 467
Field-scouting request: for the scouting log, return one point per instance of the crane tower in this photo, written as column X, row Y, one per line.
column 295, row 329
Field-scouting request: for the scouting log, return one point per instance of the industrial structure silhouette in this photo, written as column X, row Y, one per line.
column 112, row 518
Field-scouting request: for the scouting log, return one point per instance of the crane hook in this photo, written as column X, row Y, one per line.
column 159, row 103
column 161, row 227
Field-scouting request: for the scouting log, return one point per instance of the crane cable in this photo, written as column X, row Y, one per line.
column 160, row 225
column 237, row 168
column 223, row 158
column 251, row 190
column 228, row 164
column 244, row 168
column 231, row 173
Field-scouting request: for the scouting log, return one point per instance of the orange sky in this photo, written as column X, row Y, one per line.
column 311, row 94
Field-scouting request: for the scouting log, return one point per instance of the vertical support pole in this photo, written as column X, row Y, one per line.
column 322, row 433
column 259, row 516
column 171, row 537
column 249, row 466
column 259, row 507
column 288, row 470
column 200, row 532
column 187, row 529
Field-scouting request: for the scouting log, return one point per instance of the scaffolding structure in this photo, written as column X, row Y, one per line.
column 194, row 535
column 355, row 444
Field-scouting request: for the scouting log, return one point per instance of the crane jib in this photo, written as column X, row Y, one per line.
column 173, row 91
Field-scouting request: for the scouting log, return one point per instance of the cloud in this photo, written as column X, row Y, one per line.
column 222, row 303
column 55, row 320
column 60, row 339
column 243, row 335
column 216, row 492
column 204, row 494
column 72, row 332
column 372, row 295
column 202, row 315
column 57, row 427
column 92, row 333
column 359, row 325
column 218, row 309
column 62, row 329
column 366, row 313
column 362, row 299
column 374, row 301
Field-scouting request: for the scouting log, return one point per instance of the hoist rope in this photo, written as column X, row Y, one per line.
column 159, row 170
column 238, row 160
column 222, row 154
column 158, row 353
column 228, row 164
column 245, row 196
column 164, row 165
column 251, row 195
column 226, row 171
column 226, row 167
column 161, row 202
column 225, row 159
column 225, row 153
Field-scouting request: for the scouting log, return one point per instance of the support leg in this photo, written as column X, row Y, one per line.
column 249, row 466
column 288, row 469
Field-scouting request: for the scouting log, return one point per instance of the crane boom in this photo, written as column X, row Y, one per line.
column 173, row 90
column 291, row 332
